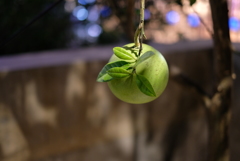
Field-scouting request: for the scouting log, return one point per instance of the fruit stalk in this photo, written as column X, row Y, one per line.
column 139, row 33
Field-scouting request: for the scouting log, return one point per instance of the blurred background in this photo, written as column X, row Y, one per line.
column 52, row 108
column 72, row 24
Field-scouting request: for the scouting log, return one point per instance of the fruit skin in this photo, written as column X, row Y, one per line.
column 155, row 69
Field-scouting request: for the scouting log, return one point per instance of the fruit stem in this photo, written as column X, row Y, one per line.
column 139, row 33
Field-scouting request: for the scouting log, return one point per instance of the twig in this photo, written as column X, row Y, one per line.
column 22, row 29
column 141, row 41
column 184, row 80
column 204, row 24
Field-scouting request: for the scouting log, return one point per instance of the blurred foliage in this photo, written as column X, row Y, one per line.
column 60, row 29
column 49, row 32
column 109, row 37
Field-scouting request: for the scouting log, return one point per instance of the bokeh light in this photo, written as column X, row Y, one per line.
column 97, row 17
column 105, row 12
column 93, row 15
column 172, row 17
column 84, row 2
column 94, row 30
column 234, row 24
column 80, row 12
column 90, row 1
column 147, row 14
column 193, row 20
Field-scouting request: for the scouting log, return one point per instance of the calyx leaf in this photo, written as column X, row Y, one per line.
column 144, row 57
column 145, row 86
column 103, row 76
column 118, row 72
column 123, row 53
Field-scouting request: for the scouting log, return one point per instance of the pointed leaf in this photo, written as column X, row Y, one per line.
column 118, row 72
column 192, row 2
column 144, row 57
column 108, row 66
column 127, row 66
column 123, row 53
column 145, row 86
column 105, row 78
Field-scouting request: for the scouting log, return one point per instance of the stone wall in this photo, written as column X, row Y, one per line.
column 52, row 109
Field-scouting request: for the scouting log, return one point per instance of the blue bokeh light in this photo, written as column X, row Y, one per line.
column 75, row 10
column 172, row 17
column 234, row 24
column 94, row 30
column 93, row 15
column 84, row 2
column 147, row 14
column 193, row 20
column 106, row 11
column 80, row 12
column 90, row 1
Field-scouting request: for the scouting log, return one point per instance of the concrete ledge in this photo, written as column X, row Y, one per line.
column 61, row 57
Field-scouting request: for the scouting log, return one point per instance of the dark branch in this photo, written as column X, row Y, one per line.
column 184, row 80
column 203, row 23
column 22, row 29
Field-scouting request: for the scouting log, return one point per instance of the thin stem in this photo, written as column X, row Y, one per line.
column 203, row 23
column 140, row 40
column 139, row 33
column 30, row 23
column 142, row 7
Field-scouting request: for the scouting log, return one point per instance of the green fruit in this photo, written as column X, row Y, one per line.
column 154, row 69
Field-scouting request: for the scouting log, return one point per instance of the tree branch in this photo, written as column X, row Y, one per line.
column 219, row 110
column 203, row 23
column 22, row 29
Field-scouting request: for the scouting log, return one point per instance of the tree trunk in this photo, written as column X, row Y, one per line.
column 219, row 108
